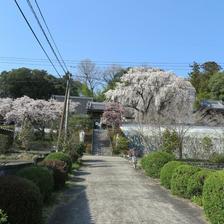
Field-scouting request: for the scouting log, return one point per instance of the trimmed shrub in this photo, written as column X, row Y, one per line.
column 59, row 169
column 61, row 156
column 153, row 162
column 196, row 182
column 167, row 172
column 42, row 177
column 21, row 200
column 180, row 177
column 213, row 197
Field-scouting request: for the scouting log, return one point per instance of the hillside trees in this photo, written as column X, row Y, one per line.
column 207, row 80
column 37, row 84
column 216, row 86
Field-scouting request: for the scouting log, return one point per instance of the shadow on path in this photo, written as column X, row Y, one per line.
column 75, row 207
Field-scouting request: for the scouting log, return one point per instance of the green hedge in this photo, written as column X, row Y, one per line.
column 153, row 162
column 42, row 177
column 61, row 156
column 180, row 177
column 59, row 169
column 21, row 200
column 213, row 197
column 196, row 183
column 167, row 172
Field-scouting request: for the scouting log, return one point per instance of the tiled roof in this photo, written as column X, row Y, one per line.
column 96, row 106
column 83, row 101
column 213, row 104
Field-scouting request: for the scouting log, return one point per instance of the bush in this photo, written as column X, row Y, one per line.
column 42, row 177
column 180, row 179
column 59, row 169
column 213, row 197
column 61, row 156
column 77, row 151
column 80, row 149
column 217, row 158
column 21, row 200
column 153, row 162
column 121, row 145
column 167, row 172
column 3, row 217
column 170, row 141
column 196, row 182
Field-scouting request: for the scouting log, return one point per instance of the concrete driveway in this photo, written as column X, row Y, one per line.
column 108, row 190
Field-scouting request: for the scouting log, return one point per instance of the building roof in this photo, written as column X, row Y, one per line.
column 81, row 100
column 212, row 104
column 96, row 106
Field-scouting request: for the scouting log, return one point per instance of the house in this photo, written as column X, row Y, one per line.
column 95, row 110
column 211, row 112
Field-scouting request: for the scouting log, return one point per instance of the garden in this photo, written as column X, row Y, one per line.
column 30, row 130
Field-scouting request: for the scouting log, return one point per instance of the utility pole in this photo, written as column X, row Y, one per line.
column 65, row 111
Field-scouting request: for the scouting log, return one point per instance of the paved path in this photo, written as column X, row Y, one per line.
column 109, row 191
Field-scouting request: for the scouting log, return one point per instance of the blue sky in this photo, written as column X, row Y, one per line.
column 165, row 33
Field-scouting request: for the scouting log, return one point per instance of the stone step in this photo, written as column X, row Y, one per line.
column 101, row 143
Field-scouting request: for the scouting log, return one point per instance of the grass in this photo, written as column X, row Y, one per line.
column 197, row 200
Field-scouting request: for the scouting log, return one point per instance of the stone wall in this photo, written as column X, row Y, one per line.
column 11, row 168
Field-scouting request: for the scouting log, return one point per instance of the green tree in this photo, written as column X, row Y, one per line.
column 204, row 79
column 60, row 86
column 37, row 84
column 195, row 76
column 208, row 70
column 210, row 67
column 216, row 86
column 86, row 91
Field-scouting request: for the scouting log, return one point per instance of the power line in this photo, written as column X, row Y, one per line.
column 23, row 63
column 37, row 39
column 108, row 62
column 28, row 60
column 43, row 31
column 72, row 62
column 48, row 29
